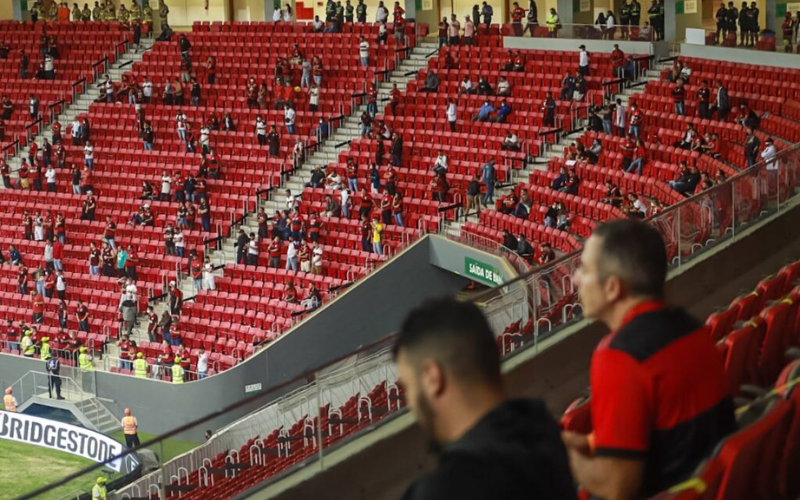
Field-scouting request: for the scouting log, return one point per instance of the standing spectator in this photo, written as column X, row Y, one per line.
column 454, row 30
column 377, row 236
column 703, row 98
column 488, row 177
column 621, row 283
column 363, row 51
column 635, row 121
column 768, row 155
column 452, row 114
column 532, row 18
column 291, row 255
column 583, row 61
column 469, row 31
column 487, row 12
column 679, row 97
column 82, row 316
column 517, row 14
column 751, row 145
column 444, row 28
column 549, row 110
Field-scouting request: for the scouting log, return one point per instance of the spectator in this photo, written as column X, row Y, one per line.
column 751, row 145
column 363, row 51
column 621, row 283
column 510, row 143
column 639, row 158
column 454, row 30
column 431, row 82
column 583, row 60
column 488, row 177
column 451, row 112
column 679, row 97
column 485, row 112
column 502, row 112
column 687, row 180
column 444, row 28
column 549, row 110
column 703, row 98
column 553, row 24
column 449, row 368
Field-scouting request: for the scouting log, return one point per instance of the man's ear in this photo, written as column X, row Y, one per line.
column 432, row 378
column 613, row 289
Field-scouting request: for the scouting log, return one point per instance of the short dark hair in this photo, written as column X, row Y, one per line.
column 457, row 335
column 635, row 252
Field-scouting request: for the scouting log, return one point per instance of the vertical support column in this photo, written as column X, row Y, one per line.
column 564, row 9
column 269, row 9
column 772, row 21
column 669, row 21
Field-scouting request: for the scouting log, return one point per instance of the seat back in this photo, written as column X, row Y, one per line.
column 788, row 476
column 751, row 456
column 578, row 416
column 720, row 323
column 742, row 354
column 776, row 339
column 746, row 305
column 703, row 486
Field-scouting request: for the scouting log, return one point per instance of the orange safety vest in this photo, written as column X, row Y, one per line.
column 10, row 403
column 129, row 425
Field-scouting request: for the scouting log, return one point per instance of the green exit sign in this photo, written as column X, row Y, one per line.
column 480, row 271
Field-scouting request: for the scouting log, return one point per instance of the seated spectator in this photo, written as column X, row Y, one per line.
column 510, row 143
column 508, row 65
column 720, row 177
column 317, row 25
column 519, row 62
column 567, row 87
column 639, row 158
column 559, row 181
column 646, row 32
column 571, row 186
column 634, row 207
column 688, row 138
column 524, row 249
column 449, row 62
column 508, row 204
column 485, row 112
column 440, row 165
column 687, row 180
column 503, row 87
column 431, row 82
column 563, row 221
column 509, row 241
column 596, row 147
column 502, row 112
column 551, row 216
column 748, row 118
column 613, row 194
column 484, row 88
column 580, row 88
column 638, row 448
column 705, row 182
column 466, row 87
column 523, row 207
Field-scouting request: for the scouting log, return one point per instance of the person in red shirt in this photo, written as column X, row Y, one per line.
column 394, row 99
column 636, row 121
column 275, row 250
column 703, row 100
column 660, row 402
column 366, row 204
column 152, row 324
column 124, row 346
column 618, row 62
column 50, row 284
column 517, row 15
column 314, row 227
column 679, row 97
column 639, row 158
column 37, row 305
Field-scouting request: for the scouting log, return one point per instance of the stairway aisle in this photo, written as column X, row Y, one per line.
column 328, row 152
column 453, row 228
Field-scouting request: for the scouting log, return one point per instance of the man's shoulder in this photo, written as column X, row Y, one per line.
column 459, row 476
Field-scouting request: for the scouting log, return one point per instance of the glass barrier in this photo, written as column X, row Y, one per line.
column 354, row 395
column 583, row 31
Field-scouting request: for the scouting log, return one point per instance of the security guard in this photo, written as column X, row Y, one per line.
column 86, row 14
column 177, row 371
column 28, row 348
column 636, row 13
column 625, row 18
column 130, row 427
column 10, row 401
column 85, row 361
column 45, row 349
column 348, row 12
column 330, row 11
column 99, row 489
column 136, row 12
column 140, row 366
column 361, row 11
column 124, row 15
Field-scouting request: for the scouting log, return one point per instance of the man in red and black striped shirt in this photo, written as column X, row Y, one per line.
column 660, row 401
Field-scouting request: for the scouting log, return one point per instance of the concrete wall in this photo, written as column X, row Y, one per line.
column 380, row 465
column 367, row 312
column 512, row 42
column 6, row 10
column 775, row 59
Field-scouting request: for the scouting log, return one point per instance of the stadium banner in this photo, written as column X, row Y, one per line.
column 67, row 438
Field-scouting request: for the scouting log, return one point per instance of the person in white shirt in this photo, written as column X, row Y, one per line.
column 345, row 198
column 363, row 52
column 440, row 166
column 620, row 118
column 583, row 61
column 287, row 14
column 252, row 250
column 147, row 90
column 109, row 86
column 205, row 134
column 503, row 87
column 288, row 117
column 178, row 241
column 181, row 128
column 208, row 275
column 49, row 72
column 298, row 153
column 466, row 87
column 75, row 131
column 382, row 13
column 313, row 98
column 317, row 25
column 48, row 254
column 452, row 114
column 510, row 143
column 334, row 180
column 166, row 185
column 202, row 363
column 277, row 15
column 291, row 256
column 292, row 201
column 50, row 178
column 382, row 33
column 316, row 259
column 88, row 155
column 769, row 155
column 261, row 131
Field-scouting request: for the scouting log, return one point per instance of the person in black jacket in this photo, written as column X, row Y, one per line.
column 489, row 447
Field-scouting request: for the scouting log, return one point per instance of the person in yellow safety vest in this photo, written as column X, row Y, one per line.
column 85, row 361
column 130, row 427
column 553, row 23
column 9, row 401
column 99, row 489
column 177, row 371
column 45, row 349
column 140, row 366
column 27, row 345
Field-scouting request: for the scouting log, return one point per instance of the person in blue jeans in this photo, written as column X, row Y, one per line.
column 638, row 158
column 488, row 178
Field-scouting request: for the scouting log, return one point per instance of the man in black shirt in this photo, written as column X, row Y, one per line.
column 490, row 447
column 473, row 196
